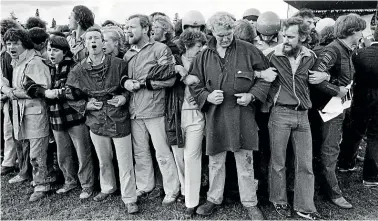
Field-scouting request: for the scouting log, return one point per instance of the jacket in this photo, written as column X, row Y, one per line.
column 336, row 58
column 102, row 83
column 153, row 65
column 229, row 126
column 30, row 119
column 291, row 88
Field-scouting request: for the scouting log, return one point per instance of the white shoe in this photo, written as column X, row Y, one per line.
column 16, row 179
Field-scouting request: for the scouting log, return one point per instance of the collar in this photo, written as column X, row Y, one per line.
column 342, row 42
column 23, row 56
column 135, row 48
column 73, row 35
column 90, row 62
column 212, row 44
column 305, row 52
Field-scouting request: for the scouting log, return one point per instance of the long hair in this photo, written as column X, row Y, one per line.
column 347, row 25
column 83, row 16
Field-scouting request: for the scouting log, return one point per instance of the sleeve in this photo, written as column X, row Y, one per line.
column 123, row 70
column 199, row 91
column 37, row 79
column 324, row 63
column 165, row 66
column 260, row 89
column 77, row 99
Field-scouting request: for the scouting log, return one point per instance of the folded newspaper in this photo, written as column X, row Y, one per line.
column 336, row 105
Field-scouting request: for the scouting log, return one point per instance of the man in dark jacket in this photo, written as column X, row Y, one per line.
column 364, row 112
column 226, row 94
column 290, row 97
column 336, row 59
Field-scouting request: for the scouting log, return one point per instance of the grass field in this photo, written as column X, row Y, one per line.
column 15, row 205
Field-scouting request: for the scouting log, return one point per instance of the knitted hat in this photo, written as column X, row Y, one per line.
column 59, row 43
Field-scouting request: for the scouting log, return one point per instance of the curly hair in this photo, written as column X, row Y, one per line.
column 167, row 26
column 84, row 16
column 8, row 23
column 326, row 35
column 221, row 19
column 347, row 25
column 304, row 12
column 189, row 38
column 117, row 35
column 144, row 22
column 303, row 27
column 38, row 35
column 35, row 22
column 244, row 31
column 19, row 34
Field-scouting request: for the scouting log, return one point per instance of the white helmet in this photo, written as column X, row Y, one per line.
column 322, row 23
column 193, row 18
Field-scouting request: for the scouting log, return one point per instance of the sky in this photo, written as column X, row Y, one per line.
column 119, row 10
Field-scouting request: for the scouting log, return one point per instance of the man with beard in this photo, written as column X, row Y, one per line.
column 226, row 94
column 290, row 99
column 336, row 59
column 97, row 78
column 150, row 71
column 80, row 19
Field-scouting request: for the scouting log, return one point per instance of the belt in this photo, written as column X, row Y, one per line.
column 292, row 107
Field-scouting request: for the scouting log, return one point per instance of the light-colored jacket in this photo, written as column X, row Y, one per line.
column 30, row 115
column 153, row 64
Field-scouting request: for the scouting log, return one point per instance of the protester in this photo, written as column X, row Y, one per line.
column 245, row 31
column 98, row 77
column 114, row 41
column 10, row 154
column 67, row 124
column 291, row 100
column 150, row 70
column 80, row 19
column 39, row 38
column 335, row 59
column 364, row 115
column 30, row 123
column 216, row 97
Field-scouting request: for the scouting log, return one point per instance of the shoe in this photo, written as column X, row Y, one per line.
column 310, row 216
column 37, row 196
column 370, row 183
column 141, row 193
column 168, row 200
column 132, row 208
column 341, row 202
column 16, row 179
column 189, row 212
column 5, row 170
column 345, row 170
column 283, row 209
column 180, row 199
column 255, row 213
column 101, row 197
column 207, row 208
column 157, row 192
column 86, row 193
column 66, row 188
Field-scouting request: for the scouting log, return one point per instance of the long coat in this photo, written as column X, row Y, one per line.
column 229, row 126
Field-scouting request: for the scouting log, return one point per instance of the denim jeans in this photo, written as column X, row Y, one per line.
column 79, row 137
column 144, row 172
column 246, row 178
column 124, row 155
column 329, row 152
column 285, row 124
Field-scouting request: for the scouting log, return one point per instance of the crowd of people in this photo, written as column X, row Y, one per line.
column 187, row 90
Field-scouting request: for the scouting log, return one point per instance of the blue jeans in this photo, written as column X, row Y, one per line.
column 79, row 137
column 285, row 124
column 329, row 152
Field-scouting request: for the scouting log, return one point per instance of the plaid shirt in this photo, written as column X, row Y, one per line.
column 61, row 115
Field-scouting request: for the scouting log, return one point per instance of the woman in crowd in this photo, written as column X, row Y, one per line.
column 114, row 41
column 66, row 123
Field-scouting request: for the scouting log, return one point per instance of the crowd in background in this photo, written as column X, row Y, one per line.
column 168, row 101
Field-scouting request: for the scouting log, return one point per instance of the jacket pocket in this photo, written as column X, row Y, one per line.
column 243, row 81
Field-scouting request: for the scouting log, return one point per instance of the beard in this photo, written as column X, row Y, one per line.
column 291, row 52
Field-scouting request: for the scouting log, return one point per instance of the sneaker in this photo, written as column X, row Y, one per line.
column 5, row 170
column 345, row 170
column 16, row 179
column 282, row 209
column 168, row 200
column 370, row 183
column 206, row 209
column 86, row 193
column 342, row 203
column 189, row 212
column 66, row 188
column 255, row 213
column 132, row 208
column 157, row 192
column 101, row 197
column 37, row 196
column 310, row 216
